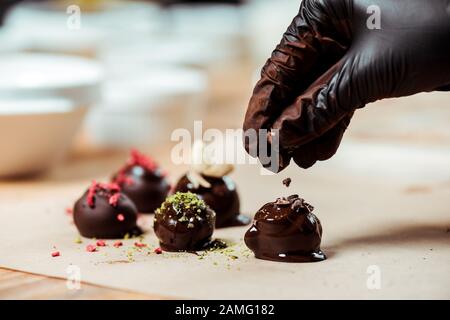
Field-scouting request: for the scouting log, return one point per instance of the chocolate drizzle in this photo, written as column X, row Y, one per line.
column 286, row 230
column 184, row 223
column 222, row 197
column 104, row 212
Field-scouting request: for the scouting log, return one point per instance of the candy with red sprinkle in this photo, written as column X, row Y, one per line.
column 103, row 212
column 118, row 244
column 158, row 250
column 143, row 182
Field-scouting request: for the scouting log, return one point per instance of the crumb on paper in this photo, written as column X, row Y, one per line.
column 101, row 243
column 91, row 248
column 287, row 182
column 140, row 245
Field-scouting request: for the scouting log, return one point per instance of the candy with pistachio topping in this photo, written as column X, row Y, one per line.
column 184, row 223
column 220, row 194
column 208, row 178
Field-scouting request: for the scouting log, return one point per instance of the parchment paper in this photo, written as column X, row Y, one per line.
column 397, row 223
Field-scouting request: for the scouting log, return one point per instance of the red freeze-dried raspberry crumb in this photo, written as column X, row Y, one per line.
column 158, row 251
column 91, row 194
column 111, row 190
column 118, row 244
column 101, row 243
column 114, row 199
column 120, row 217
column 91, row 248
column 112, row 186
column 56, row 254
column 140, row 244
column 137, row 158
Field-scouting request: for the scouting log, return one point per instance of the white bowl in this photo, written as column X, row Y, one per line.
column 43, row 27
column 35, row 134
column 145, row 107
column 31, row 75
column 43, row 99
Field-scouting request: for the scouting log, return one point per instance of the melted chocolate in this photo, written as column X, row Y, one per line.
column 286, row 230
column 143, row 182
column 184, row 223
column 222, row 197
column 103, row 212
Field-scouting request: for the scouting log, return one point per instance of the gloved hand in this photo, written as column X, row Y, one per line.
column 330, row 63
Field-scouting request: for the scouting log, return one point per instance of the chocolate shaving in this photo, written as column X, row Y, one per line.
column 287, row 182
column 309, row 207
column 282, row 202
column 298, row 204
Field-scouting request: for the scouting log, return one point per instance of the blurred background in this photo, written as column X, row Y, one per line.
column 87, row 77
column 83, row 81
column 114, row 74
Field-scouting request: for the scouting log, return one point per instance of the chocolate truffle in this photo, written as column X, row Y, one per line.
column 184, row 223
column 143, row 182
column 286, row 230
column 104, row 212
column 220, row 194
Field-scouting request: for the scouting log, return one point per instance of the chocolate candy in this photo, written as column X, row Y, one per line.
column 184, row 223
column 221, row 196
column 143, row 182
column 104, row 212
column 286, row 230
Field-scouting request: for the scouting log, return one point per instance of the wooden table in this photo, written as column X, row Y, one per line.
column 20, row 285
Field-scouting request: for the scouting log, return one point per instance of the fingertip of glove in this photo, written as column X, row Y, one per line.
column 304, row 162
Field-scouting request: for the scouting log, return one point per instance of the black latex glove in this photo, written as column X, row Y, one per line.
column 330, row 63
